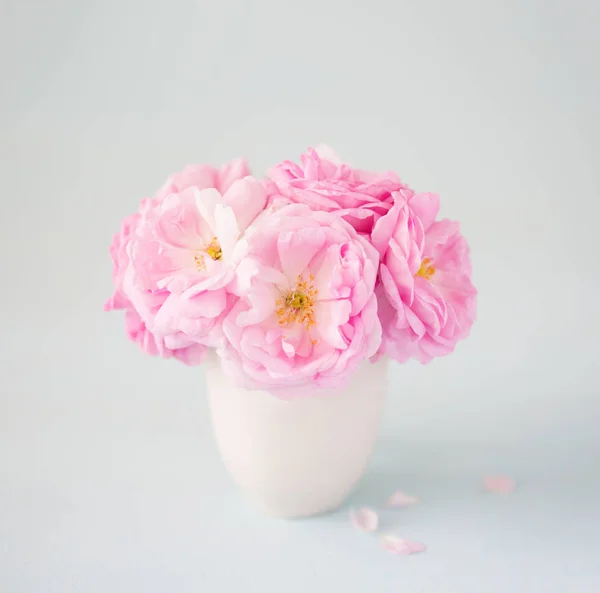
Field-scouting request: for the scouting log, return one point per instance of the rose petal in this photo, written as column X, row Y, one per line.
column 399, row 499
column 231, row 172
column 401, row 546
column 247, row 198
column 499, row 484
column 426, row 207
column 365, row 519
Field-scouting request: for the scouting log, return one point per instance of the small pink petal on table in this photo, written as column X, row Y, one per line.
column 400, row 499
column 365, row 519
column 500, row 484
column 401, row 546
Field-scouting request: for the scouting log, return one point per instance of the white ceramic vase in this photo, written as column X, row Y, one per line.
column 297, row 457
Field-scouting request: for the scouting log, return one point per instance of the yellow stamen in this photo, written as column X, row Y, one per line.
column 199, row 262
column 214, row 249
column 426, row 270
column 298, row 304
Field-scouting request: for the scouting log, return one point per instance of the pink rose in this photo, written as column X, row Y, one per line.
column 426, row 299
column 175, row 257
column 173, row 346
column 307, row 313
column 324, row 183
column 189, row 245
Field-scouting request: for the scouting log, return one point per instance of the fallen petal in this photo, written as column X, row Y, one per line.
column 399, row 499
column 365, row 519
column 499, row 484
column 401, row 546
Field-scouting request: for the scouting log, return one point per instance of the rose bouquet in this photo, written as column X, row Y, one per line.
column 295, row 279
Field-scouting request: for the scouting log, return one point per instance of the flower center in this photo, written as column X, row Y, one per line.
column 214, row 249
column 426, row 270
column 298, row 304
column 199, row 262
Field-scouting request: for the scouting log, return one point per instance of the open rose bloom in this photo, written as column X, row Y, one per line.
column 296, row 279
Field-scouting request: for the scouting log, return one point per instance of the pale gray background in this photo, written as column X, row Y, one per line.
column 109, row 478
